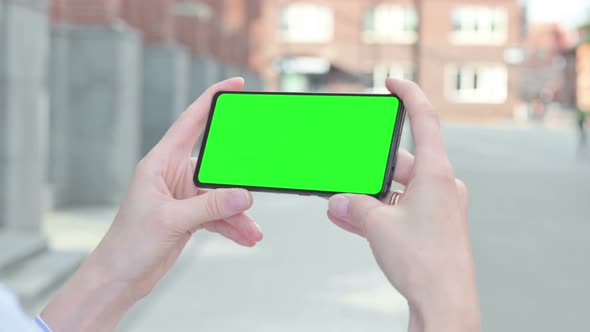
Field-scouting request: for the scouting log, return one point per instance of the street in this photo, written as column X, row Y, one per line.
column 529, row 223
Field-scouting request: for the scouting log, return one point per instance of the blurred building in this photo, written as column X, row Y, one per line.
column 461, row 52
column 575, row 93
column 217, row 28
column 542, row 70
column 583, row 77
column 577, row 73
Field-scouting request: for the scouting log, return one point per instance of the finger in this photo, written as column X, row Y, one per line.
column 213, row 205
column 194, row 164
column 424, row 120
column 183, row 134
column 246, row 226
column 354, row 209
column 344, row 225
column 228, row 231
column 404, row 166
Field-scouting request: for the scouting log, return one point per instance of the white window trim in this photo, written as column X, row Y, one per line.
column 310, row 35
column 473, row 97
column 382, row 71
column 397, row 36
column 467, row 37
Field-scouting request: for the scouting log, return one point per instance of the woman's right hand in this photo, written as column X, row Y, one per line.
column 422, row 243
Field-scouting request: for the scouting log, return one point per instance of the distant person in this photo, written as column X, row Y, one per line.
column 419, row 238
column 582, row 118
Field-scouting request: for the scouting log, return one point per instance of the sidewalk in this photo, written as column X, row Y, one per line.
column 529, row 223
column 78, row 229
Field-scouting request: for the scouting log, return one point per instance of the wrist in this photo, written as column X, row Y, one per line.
column 451, row 311
column 91, row 300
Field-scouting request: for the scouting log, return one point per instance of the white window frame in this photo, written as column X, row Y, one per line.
column 307, row 23
column 492, row 83
column 381, row 72
column 392, row 23
column 475, row 25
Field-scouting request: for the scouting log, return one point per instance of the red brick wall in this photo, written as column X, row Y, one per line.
column 226, row 35
column 438, row 51
column 154, row 18
column 583, row 79
column 99, row 12
column 349, row 51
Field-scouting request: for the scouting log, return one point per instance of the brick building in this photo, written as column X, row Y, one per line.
column 542, row 70
column 582, row 53
column 455, row 49
column 576, row 88
column 217, row 28
column 583, row 77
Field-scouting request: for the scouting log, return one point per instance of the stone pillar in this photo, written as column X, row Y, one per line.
column 23, row 112
column 229, row 71
column 95, row 90
column 196, row 28
column 165, row 67
column 165, row 90
column 253, row 81
column 258, row 82
column 204, row 72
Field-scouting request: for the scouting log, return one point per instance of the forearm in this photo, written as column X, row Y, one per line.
column 461, row 315
column 90, row 301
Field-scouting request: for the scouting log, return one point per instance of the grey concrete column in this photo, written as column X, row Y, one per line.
column 23, row 106
column 95, row 100
column 229, row 71
column 260, row 83
column 247, row 75
column 204, row 72
column 165, row 90
column 253, row 80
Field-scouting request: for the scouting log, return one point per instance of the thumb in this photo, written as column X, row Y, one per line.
column 214, row 205
column 353, row 209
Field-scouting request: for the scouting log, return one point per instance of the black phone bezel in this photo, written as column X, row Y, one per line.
column 392, row 158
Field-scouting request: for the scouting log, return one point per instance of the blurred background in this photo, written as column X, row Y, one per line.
column 87, row 87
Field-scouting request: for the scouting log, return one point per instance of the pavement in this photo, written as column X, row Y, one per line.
column 529, row 224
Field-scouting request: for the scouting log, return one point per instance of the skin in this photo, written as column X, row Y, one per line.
column 156, row 219
column 421, row 245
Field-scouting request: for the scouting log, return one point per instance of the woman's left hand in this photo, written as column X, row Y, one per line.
column 159, row 214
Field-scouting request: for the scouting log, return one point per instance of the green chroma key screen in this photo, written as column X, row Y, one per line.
column 302, row 142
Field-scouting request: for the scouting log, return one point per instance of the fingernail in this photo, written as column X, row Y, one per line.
column 338, row 206
column 239, row 200
column 257, row 235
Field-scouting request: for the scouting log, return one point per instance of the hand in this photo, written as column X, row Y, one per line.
column 159, row 214
column 422, row 243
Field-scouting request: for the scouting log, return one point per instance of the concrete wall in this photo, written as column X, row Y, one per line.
column 96, row 83
column 204, row 72
column 254, row 82
column 23, row 108
column 165, row 90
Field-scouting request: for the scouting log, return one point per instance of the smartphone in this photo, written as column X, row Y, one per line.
column 314, row 144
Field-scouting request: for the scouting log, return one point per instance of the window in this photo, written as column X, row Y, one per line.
column 190, row 9
column 294, row 82
column 479, row 25
column 477, row 83
column 382, row 72
column 308, row 23
column 391, row 24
